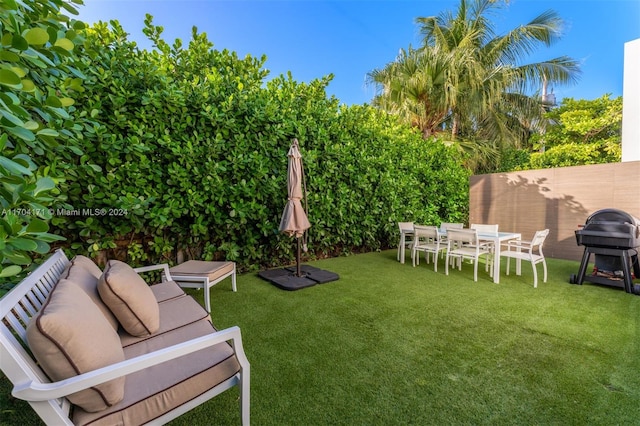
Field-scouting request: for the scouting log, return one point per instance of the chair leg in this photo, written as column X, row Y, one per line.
column 493, row 259
column 446, row 264
column 486, row 263
column 544, row 268
column 535, row 275
column 207, row 296
column 233, row 278
column 508, row 264
column 475, row 270
column 400, row 247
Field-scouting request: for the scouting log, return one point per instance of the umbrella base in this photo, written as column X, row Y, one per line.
column 286, row 279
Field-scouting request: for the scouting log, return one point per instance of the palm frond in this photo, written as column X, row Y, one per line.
column 469, row 80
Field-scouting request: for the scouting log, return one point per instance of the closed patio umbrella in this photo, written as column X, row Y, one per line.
column 294, row 223
column 294, row 220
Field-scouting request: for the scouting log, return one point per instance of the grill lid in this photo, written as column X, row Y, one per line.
column 613, row 215
column 610, row 228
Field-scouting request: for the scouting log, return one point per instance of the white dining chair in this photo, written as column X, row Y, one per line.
column 530, row 251
column 463, row 244
column 451, row 225
column 406, row 238
column 444, row 227
column 486, row 229
column 426, row 239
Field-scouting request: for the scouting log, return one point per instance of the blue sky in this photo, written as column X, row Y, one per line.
column 349, row 38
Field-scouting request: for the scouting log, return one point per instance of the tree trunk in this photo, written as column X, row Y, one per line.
column 454, row 127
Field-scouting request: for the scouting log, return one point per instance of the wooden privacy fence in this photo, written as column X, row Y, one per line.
column 560, row 199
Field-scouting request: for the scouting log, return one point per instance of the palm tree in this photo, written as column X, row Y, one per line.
column 483, row 86
column 414, row 88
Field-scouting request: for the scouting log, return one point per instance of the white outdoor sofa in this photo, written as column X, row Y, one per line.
column 66, row 344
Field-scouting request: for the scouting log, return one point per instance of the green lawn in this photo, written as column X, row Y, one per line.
column 391, row 344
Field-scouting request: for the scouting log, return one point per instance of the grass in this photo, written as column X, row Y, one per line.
column 391, row 344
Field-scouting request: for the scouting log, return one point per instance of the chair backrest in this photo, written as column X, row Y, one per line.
column 538, row 238
column 425, row 232
column 446, row 226
column 484, row 228
column 462, row 236
column 403, row 226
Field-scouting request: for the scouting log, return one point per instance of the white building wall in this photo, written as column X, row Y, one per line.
column 631, row 102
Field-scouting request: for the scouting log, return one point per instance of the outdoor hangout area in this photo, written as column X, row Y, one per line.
column 188, row 237
column 392, row 344
column 460, row 323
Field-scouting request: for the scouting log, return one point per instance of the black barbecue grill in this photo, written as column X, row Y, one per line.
column 614, row 237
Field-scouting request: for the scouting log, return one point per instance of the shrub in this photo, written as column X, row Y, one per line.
column 180, row 152
column 192, row 150
column 39, row 80
column 572, row 154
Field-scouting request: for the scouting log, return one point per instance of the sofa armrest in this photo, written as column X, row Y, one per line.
column 36, row 391
column 166, row 274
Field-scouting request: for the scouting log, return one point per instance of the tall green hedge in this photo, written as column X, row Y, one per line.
column 190, row 160
column 180, row 152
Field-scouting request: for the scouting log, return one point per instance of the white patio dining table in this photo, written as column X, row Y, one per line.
column 497, row 240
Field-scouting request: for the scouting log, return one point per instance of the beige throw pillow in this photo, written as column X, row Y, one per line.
column 70, row 336
column 82, row 271
column 87, row 264
column 129, row 298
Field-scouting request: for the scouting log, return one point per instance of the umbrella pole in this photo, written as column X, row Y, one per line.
column 298, row 274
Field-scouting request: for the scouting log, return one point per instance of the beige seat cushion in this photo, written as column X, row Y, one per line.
column 70, row 336
column 156, row 390
column 129, row 298
column 85, row 274
column 166, row 290
column 213, row 270
column 174, row 314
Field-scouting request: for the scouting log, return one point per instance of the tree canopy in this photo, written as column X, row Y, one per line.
column 468, row 84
